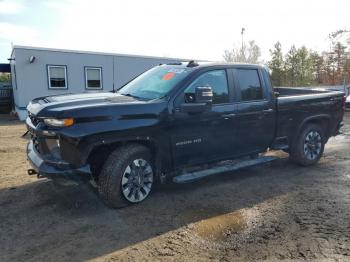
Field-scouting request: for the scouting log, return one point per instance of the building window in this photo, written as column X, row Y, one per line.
column 93, row 77
column 57, row 77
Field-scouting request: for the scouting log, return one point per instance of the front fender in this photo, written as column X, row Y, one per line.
column 158, row 146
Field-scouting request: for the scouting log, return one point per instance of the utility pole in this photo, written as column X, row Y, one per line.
column 242, row 56
column 242, row 32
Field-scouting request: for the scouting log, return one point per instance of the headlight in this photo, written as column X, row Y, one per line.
column 59, row 122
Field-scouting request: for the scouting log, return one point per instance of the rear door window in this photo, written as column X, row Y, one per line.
column 249, row 84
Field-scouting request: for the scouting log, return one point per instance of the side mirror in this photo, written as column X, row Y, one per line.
column 201, row 101
column 204, row 94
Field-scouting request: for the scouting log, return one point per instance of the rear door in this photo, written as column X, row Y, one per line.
column 255, row 111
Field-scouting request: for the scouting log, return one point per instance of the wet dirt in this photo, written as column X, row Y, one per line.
column 279, row 211
column 220, row 227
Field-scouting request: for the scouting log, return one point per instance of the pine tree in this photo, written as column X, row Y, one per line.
column 317, row 63
column 276, row 65
column 291, row 66
column 304, row 67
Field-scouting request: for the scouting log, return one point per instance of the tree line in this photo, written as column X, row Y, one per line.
column 302, row 66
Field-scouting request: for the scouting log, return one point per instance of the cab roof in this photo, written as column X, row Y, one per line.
column 194, row 64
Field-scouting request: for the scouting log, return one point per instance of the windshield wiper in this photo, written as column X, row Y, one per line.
column 130, row 95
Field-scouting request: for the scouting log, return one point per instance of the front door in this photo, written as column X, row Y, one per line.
column 206, row 136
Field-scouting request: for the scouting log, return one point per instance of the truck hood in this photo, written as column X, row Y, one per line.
column 76, row 97
column 84, row 105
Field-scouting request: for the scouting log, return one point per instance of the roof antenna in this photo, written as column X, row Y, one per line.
column 192, row 63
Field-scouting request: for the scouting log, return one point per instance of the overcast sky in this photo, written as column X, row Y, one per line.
column 178, row 28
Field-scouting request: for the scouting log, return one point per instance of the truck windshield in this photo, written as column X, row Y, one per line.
column 155, row 83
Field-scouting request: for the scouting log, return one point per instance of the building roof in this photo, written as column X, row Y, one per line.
column 94, row 52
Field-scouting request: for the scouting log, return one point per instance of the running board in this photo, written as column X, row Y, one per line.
column 192, row 176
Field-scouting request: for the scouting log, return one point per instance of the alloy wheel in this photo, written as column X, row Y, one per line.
column 137, row 180
column 312, row 145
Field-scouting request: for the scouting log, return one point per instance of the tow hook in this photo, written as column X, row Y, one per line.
column 31, row 172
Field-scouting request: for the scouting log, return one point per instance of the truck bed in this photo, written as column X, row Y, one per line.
column 295, row 105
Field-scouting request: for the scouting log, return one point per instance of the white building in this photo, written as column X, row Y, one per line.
column 40, row 72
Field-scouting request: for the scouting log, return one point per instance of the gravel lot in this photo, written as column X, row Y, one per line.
column 279, row 211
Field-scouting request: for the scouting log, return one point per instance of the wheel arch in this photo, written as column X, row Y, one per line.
column 100, row 152
column 321, row 120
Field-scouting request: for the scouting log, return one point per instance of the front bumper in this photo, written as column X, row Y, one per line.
column 55, row 169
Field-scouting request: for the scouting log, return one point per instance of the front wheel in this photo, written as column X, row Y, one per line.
column 127, row 176
column 309, row 146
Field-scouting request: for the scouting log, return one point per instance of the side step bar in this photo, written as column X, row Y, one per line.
column 192, row 176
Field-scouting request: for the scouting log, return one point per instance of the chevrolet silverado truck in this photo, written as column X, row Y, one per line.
column 172, row 118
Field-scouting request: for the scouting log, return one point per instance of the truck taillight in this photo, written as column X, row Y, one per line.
column 343, row 101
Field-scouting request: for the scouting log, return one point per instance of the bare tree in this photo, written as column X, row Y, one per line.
column 245, row 54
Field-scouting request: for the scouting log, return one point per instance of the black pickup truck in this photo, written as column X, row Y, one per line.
column 172, row 118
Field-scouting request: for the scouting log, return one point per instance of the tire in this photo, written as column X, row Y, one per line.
column 127, row 176
column 309, row 146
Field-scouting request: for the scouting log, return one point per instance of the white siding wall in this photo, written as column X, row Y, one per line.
column 32, row 78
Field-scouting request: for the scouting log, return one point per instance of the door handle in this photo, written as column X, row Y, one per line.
column 267, row 110
column 228, row 116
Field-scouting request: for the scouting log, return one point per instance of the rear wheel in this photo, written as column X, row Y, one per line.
column 309, row 145
column 127, row 176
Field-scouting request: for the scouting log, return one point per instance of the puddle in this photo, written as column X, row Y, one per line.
column 219, row 227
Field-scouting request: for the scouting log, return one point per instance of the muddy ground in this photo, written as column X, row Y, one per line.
column 279, row 211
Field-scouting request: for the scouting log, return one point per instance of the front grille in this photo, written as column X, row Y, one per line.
column 36, row 144
column 35, row 120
